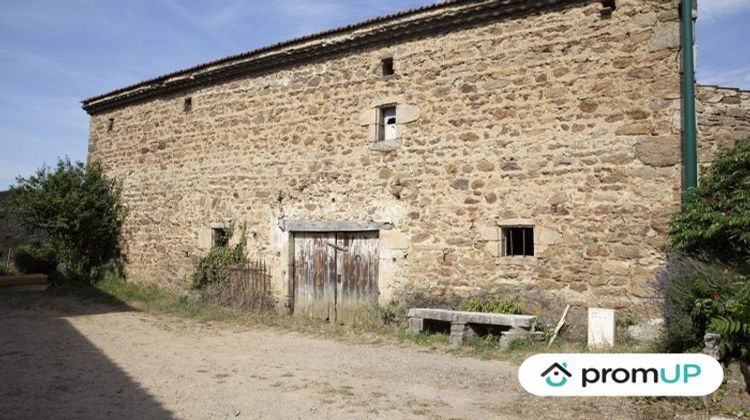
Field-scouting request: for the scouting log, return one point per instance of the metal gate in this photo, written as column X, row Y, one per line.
column 335, row 274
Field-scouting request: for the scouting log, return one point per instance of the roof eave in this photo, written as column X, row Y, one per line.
column 403, row 25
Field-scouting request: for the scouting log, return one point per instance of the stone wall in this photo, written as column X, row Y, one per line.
column 562, row 119
column 723, row 118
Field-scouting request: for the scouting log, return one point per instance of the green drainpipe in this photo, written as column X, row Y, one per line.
column 688, row 97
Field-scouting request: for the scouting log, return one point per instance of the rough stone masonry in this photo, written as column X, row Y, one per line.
column 562, row 117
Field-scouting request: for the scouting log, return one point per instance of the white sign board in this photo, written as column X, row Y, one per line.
column 601, row 327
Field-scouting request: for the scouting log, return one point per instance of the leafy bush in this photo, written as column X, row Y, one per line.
column 216, row 265
column 700, row 297
column 10, row 269
column 498, row 306
column 728, row 314
column 712, row 295
column 715, row 218
column 36, row 257
column 686, row 284
column 79, row 209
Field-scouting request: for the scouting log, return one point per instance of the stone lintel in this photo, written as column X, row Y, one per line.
column 515, row 222
column 332, row 226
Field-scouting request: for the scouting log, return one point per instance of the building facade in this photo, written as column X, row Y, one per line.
column 471, row 147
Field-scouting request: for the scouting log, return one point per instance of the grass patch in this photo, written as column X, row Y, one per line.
column 367, row 329
column 151, row 298
column 423, row 339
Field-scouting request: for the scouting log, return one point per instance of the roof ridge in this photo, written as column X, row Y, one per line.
column 288, row 42
column 393, row 26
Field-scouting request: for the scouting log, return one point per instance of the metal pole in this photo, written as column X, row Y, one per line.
column 688, row 97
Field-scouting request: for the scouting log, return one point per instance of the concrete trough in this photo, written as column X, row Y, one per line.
column 463, row 323
column 24, row 283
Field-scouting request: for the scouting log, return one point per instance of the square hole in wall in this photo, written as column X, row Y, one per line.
column 110, row 124
column 187, row 105
column 518, row 241
column 220, row 237
column 386, row 64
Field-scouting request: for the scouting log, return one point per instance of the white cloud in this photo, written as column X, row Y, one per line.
column 713, row 10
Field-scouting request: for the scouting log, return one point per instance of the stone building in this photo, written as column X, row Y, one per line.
column 470, row 147
column 723, row 117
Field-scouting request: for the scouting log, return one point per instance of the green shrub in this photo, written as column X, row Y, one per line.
column 702, row 297
column 728, row 315
column 8, row 269
column 216, row 265
column 712, row 294
column 79, row 208
column 36, row 257
column 683, row 283
column 498, row 306
column 715, row 218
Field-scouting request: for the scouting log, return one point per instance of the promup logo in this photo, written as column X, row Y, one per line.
column 557, row 374
column 620, row 374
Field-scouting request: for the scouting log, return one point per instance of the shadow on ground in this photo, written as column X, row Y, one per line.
column 49, row 370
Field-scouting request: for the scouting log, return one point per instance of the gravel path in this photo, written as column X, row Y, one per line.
column 60, row 358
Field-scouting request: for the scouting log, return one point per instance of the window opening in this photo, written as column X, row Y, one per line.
column 387, row 66
column 519, row 241
column 387, row 123
column 220, row 237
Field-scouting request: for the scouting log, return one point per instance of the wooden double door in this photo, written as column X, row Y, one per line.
column 335, row 275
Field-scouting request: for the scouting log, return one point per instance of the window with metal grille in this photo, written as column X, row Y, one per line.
column 220, row 237
column 518, row 241
column 387, row 123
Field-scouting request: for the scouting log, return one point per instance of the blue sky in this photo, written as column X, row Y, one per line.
column 55, row 53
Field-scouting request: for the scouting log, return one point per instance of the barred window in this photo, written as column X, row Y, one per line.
column 518, row 241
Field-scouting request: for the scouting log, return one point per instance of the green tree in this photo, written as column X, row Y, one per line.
column 714, row 226
column 79, row 208
column 715, row 218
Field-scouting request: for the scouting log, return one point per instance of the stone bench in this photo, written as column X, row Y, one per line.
column 463, row 323
column 23, row 283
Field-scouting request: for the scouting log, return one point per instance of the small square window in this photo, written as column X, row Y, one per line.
column 110, row 124
column 387, row 66
column 387, row 124
column 220, row 237
column 187, row 105
column 518, row 241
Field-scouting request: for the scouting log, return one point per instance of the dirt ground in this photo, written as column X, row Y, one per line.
column 63, row 358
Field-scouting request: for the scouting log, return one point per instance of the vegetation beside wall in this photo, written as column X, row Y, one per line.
column 215, row 267
column 36, row 257
column 706, row 286
column 498, row 306
column 714, row 222
column 79, row 209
